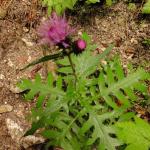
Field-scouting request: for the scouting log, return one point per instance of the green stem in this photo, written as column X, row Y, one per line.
column 72, row 66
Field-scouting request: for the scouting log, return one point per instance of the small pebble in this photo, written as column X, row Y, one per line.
column 25, row 29
column 2, row 76
column 3, row 13
column 5, row 108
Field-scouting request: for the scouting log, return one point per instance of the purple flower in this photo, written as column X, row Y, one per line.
column 81, row 44
column 55, row 31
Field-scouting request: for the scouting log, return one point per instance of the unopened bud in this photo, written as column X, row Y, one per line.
column 81, row 44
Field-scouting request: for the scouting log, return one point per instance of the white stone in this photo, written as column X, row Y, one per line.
column 14, row 129
column 31, row 140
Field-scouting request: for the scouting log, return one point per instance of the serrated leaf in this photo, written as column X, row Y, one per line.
column 59, row 5
column 126, row 116
column 100, row 132
column 127, row 82
column 135, row 134
column 113, row 84
column 50, row 134
column 64, row 61
column 86, row 37
column 66, row 145
column 38, row 86
column 65, row 70
column 86, row 63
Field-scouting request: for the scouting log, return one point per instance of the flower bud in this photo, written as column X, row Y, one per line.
column 81, row 44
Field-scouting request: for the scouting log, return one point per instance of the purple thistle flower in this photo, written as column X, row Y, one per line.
column 81, row 44
column 55, row 31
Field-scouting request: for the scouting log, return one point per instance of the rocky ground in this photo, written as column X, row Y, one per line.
column 18, row 47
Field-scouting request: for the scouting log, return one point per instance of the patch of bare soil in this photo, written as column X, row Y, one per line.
column 118, row 25
column 18, row 46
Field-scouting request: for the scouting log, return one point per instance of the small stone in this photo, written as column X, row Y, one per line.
column 2, row 76
column 25, row 29
column 10, row 63
column 27, row 42
column 30, row 140
column 5, row 108
column 5, row 61
column 3, row 13
column 15, row 130
column 134, row 41
column 29, row 59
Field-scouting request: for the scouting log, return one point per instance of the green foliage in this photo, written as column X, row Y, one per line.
column 132, row 6
column 135, row 134
column 86, row 63
column 38, row 86
column 92, row 1
column 146, row 42
column 146, row 8
column 61, row 5
column 119, row 86
column 108, row 2
column 78, row 110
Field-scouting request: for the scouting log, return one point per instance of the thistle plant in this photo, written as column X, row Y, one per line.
column 89, row 104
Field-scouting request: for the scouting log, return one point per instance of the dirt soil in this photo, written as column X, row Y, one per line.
column 18, row 46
